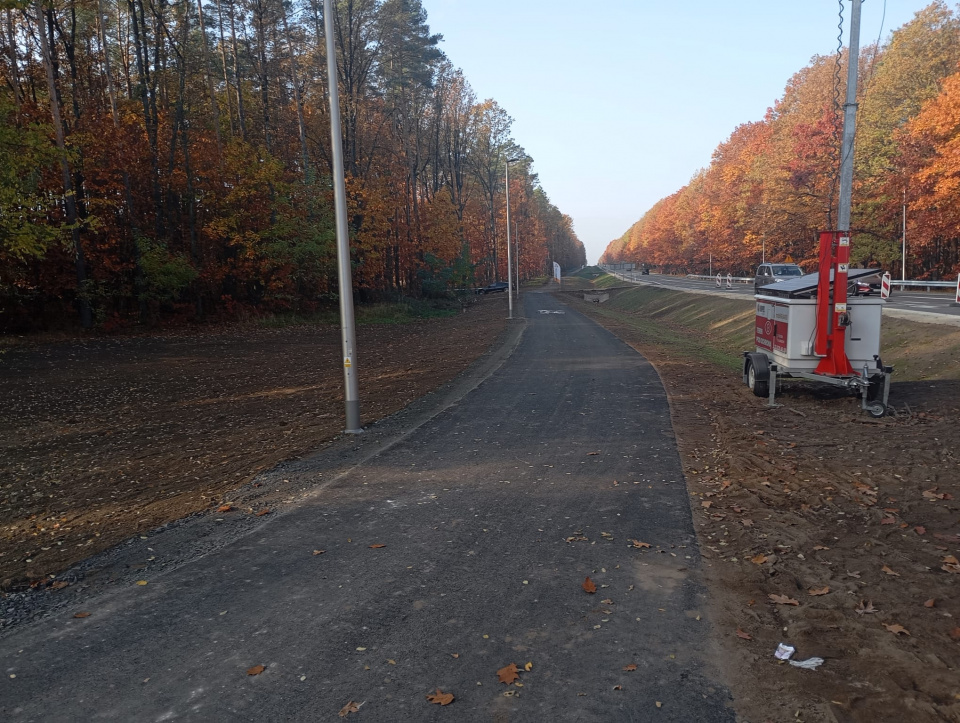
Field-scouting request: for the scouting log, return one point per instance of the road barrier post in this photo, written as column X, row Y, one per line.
column 957, row 302
column 885, row 286
column 719, row 281
column 730, row 282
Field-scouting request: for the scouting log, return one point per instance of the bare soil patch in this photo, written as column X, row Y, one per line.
column 102, row 439
column 854, row 521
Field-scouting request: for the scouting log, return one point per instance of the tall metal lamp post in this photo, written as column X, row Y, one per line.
column 506, row 175
column 903, row 258
column 351, row 394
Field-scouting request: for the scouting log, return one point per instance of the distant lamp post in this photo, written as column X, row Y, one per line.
column 506, row 173
column 903, row 259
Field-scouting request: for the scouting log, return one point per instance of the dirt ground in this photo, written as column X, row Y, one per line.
column 103, row 438
column 852, row 522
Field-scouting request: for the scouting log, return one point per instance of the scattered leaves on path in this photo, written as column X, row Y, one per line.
column 782, row 599
column 818, row 591
column 955, row 634
column 528, row 667
column 592, row 454
column 141, row 582
column 81, row 615
column 319, row 552
column 263, row 512
column 377, row 546
column 225, row 508
column 759, row 559
column 440, row 697
column 865, row 608
column 349, row 708
column 630, row 668
column 589, row 586
column 887, row 570
column 951, row 564
column 897, row 629
column 256, row 670
column 637, row 543
column 508, row 674
column 930, row 603
column 743, row 634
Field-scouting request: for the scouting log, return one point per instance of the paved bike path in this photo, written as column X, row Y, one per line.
column 490, row 516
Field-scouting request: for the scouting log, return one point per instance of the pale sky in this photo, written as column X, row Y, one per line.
column 620, row 102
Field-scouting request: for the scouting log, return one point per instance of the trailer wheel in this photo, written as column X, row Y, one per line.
column 758, row 375
column 876, row 409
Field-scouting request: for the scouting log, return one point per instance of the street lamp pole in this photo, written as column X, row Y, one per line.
column 348, row 335
column 903, row 258
column 506, row 173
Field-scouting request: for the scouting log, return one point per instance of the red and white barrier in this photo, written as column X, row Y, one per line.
column 958, row 288
column 719, row 281
column 885, row 286
column 729, row 281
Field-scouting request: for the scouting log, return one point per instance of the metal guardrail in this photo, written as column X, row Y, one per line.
column 894, row 283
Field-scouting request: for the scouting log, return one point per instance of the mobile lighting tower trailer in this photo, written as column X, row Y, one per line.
column 805, row 326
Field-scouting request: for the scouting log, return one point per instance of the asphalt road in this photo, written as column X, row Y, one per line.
column 921, row 301
column 490, row 516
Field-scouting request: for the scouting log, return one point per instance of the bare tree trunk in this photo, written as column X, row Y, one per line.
column 223, row 61
column 307, row 175
column 14, row 68
column 259, row 14
column 236, row 73
column 86, row 315
column 148, row 117
column 206, row 72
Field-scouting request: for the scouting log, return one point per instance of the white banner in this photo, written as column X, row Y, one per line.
column 556, row 271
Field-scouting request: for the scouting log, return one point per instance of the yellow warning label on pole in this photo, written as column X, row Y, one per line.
column 347, row 362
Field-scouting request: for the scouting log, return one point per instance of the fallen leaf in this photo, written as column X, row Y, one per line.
column 589, row 586
column 954, row 634
column 440, row 697
column 319, row 552
column 528, row 667
column 759, row 559
column 508, row 674
column 141, row 582
column 706, row 504
column 391, row 661
column 930, row 603
column 263, row 512
column 256, row 670
column 889, row 571
column 865, row 608
column 820, row 547
column 377, row 546
column 920, row 530
column 59, row 585
column 637, row 543
column 81, row 615
column 782, row 599
column 934, row 495
column 349, row 708
column 630, row 668
column 659, row 704
column 888, row 521
column 592, row 454
column 854, row 574
column 454, row 655
column 818, row 591
column 897, row 629
column 744, row 635
column 608, row 601
column 618, row 687
column 746, row 522
column 225, row 508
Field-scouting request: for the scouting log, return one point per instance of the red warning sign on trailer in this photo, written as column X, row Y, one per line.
column 771, row 326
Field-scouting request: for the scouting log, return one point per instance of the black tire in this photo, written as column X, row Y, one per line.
column 758, row 375
column 876, row 409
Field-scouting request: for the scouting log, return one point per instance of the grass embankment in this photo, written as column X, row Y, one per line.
column 400, row 312
column 717, row 329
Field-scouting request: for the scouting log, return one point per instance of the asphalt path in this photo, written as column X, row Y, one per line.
column 918, row 301
column 457, row 549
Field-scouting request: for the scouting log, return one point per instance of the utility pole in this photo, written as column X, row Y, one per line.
column 903, row 258
column 351, row 395
column 849, row 122
column 506, row 174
